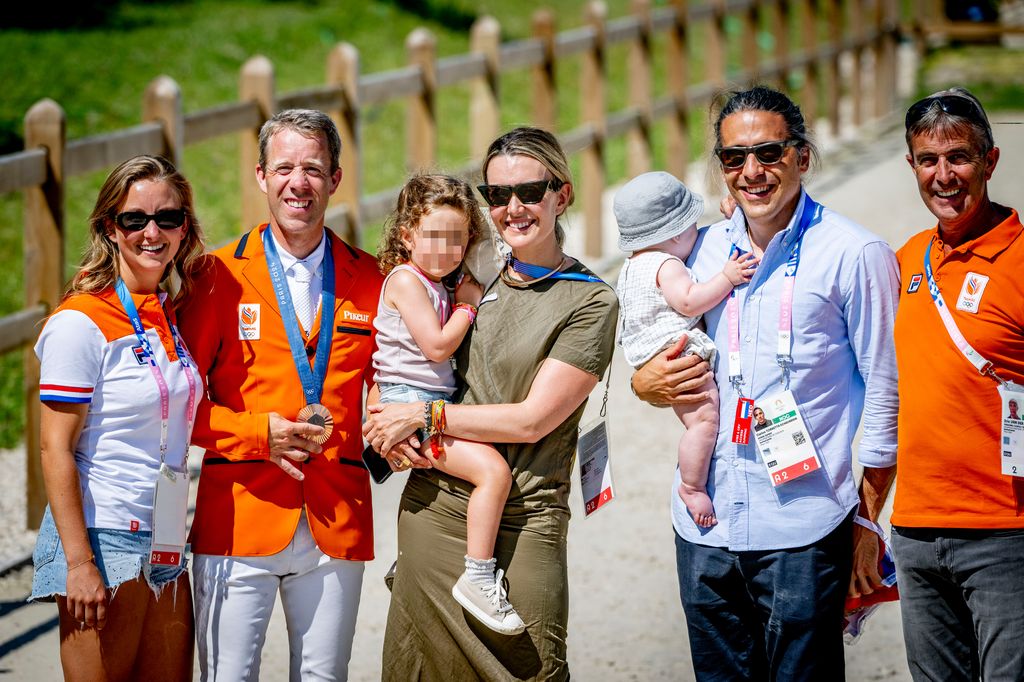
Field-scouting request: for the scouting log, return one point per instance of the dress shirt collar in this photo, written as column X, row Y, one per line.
column 312, row 261
column 737, row 226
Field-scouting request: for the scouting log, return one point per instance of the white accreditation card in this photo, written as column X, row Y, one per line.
column 170, row 512
column 783, row 440
column 1012, row 436
column 595, row 467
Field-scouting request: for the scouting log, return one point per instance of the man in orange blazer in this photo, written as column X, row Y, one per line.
column 281, row 325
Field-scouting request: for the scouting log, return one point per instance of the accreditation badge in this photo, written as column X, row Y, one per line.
column 1011, row 396
column 783, row 439
column 170, row 511
column 595, row 467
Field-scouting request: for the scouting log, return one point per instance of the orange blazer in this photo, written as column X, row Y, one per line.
column 247, row 506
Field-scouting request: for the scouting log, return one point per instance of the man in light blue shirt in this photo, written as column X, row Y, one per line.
column 763, row 590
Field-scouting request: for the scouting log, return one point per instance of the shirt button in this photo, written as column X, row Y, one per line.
column 735, row 463
column 746, row 338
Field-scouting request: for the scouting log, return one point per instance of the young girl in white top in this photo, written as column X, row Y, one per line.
column 659, row 301
column 424, row 241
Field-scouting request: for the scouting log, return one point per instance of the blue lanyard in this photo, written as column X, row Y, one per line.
column 183, row 358
column 312, row 381
column 540, row 272
column 809, row 217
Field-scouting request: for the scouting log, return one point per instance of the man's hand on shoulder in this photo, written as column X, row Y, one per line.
column 672, row 378
column 289, row 442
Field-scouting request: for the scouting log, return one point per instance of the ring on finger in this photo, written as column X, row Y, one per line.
column 406, row 462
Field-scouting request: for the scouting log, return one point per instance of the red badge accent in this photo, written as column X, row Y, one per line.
column 134, row 525
column 741, row 425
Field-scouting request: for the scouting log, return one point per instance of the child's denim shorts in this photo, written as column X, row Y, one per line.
column 404, row 393
column 120, row 556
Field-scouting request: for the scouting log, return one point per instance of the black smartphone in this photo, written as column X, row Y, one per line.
column 378, row 467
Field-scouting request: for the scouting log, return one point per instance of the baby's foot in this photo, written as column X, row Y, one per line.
column 698, row 503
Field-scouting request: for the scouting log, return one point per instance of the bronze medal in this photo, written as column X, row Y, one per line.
column 317, row 414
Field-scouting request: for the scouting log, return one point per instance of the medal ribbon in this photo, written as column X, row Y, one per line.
column 312, row 381
column 184, row 359
column 974, row 357
column 809, row 217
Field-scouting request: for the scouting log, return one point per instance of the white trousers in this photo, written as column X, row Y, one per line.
column 234, row 598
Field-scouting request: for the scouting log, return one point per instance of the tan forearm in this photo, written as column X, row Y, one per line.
column 874, row 490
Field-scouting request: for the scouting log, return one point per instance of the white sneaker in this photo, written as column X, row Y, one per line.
column 487, row 603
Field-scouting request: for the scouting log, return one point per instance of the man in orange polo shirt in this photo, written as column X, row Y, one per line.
column 280, row 324
column 958, row 528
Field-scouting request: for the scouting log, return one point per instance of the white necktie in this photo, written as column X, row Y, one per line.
column 302, row 297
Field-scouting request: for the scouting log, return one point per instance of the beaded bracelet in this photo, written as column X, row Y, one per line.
column 438, row 424
column 81, row 563
column 469, row 309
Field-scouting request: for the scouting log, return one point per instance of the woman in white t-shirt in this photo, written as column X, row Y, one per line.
column 119, row 394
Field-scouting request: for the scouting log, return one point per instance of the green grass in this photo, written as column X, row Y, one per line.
column 993, row 73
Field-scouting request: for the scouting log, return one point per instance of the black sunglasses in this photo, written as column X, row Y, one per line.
column 954, row 105
column 528, row 192
column 134, row 221
column 766, row 153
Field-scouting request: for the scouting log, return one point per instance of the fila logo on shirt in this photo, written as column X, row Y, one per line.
column 140, row 354
column 971, row 292
column 249, row 322
column 915, row 283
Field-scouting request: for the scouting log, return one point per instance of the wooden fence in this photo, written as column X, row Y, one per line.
column 866, row 30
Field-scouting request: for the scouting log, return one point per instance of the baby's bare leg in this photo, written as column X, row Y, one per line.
column 696, row 447
column 481, row 465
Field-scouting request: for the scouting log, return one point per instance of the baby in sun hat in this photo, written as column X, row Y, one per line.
column 659, row 301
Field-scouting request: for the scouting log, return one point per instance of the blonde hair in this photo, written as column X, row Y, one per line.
column 540, row 145
column 421, row 195
column 99, row 267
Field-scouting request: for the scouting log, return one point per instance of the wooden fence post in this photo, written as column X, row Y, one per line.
column 832, row 89
column 592, row 108
column 161, row 102
column 484, row 105
column 255, row 84
column 809, row 94
column 678, row 153
column 717, row 46
column 857, row 76
column 545, row 96
column 751, row 49
column 889, row 18
column 638, row 140
column 881, row 66
column 44, row 274
column 421, row 117
column 343, row 71
column 780, row 26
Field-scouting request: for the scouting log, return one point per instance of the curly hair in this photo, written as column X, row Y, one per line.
column 100, row 265
column 421, row 195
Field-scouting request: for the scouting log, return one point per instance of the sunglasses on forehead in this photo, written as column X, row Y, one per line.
column 954, row 105
column 766, row 153
column 134, row 221
column 528, row 192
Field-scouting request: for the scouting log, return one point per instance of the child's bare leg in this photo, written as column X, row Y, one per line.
column 479, row 590
column 481, row 465
column 696, row 447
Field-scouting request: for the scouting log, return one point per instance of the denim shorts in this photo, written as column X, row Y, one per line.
column 120, row 556
column 404, row 393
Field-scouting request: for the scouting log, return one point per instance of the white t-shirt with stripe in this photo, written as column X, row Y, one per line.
column 89, row 353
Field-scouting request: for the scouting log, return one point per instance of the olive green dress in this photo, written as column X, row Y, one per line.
column 429, row 636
